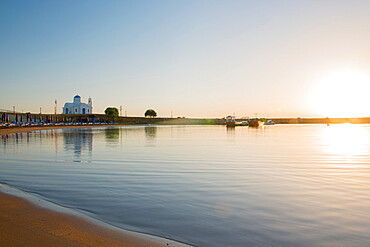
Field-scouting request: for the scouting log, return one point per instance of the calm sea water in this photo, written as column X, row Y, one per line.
column 282, row 185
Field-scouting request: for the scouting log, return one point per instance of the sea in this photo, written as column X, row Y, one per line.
column 280, row 185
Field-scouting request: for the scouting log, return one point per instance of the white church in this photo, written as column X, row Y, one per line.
column 77, row 107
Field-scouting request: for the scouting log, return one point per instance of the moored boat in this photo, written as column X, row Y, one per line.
column 254, row 122
column 269, row 122
column 230, row 121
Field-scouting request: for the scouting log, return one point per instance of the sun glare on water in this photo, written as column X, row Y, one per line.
column 345, row 140
column 342, row 94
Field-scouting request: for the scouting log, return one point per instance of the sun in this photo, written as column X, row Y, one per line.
column 343, row 93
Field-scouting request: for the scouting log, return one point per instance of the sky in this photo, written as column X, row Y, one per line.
column 191, row 58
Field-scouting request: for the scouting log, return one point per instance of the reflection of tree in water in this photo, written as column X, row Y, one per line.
column 112, row 135
column 150, row 132
column 77, row 140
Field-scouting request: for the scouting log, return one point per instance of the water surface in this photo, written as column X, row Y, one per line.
column 282, row 185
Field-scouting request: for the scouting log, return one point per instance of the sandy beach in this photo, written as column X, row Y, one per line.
column 23, row 223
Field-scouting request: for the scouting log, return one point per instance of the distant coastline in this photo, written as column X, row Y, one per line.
column 23, row 118
column 125, row 121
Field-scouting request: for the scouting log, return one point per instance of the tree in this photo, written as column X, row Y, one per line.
column 150, row 113
column 111, row 111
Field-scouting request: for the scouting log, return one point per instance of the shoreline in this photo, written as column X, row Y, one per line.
column 26, row 220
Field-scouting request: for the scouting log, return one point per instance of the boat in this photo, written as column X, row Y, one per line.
column 254, row 122
column 269, row 122
column 244, row 123
column 230, row 121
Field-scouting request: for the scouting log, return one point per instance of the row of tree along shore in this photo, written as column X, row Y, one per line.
column 10, row 117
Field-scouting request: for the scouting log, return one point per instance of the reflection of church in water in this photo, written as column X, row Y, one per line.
column 78, row 140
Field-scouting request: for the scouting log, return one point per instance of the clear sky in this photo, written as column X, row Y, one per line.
column 195, row 58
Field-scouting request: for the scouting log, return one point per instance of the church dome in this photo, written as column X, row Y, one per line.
column 77, row 99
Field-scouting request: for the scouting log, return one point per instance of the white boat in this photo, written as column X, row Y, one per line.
column 269, row 122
